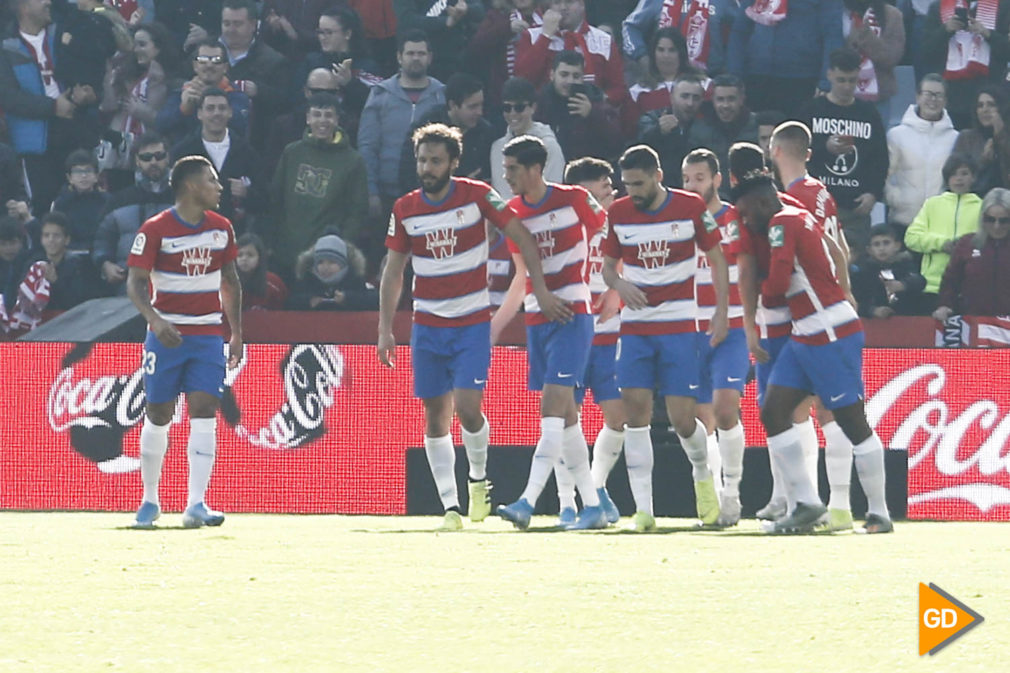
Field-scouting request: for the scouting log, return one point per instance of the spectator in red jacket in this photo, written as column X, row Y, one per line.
column 261, row 289
column 977, row 279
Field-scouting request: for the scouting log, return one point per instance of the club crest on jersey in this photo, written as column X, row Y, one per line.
column 777, row 236
column 441, row 243
column 545, row 241
column 196, row 260
column 653, row 254
column 460, row 219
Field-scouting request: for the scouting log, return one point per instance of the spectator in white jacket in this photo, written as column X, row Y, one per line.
column 918, row 147
column 518, row 106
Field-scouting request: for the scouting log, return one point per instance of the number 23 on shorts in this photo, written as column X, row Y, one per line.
column 148, row 362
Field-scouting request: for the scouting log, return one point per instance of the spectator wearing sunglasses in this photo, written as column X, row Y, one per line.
column 518, row 108
column 177, row 118
column 130, row 208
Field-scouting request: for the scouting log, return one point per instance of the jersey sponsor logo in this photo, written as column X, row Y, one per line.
column 709, row 222
column 495, row 200
column 312, row 180
column 653, row 254
column 545, row 241
column 777, row 236
column 595, row 256
column 196, row 261
column 138, row 244
column 441, row 243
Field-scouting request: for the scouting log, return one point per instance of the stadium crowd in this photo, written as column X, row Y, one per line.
column 305, row 108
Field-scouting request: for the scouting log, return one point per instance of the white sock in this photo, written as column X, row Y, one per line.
column 714, row 460
column 576, row 454
column 566, row 484
column 476, row 450
column 552, row 432
column 638, row 456
column 442, row 460
column 838, row 461
column 786, row 445
column 200, row 450
column 869, row 459
column 606, row 451
column 808, row 440
column 153, row 446
column 779, row 490
column 731, row 446
column 696, row 448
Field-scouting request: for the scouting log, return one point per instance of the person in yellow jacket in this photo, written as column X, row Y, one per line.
column 942, row 220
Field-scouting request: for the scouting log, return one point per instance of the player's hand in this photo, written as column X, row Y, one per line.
column 387, row 349
column 942, row 313
column 718, row 328
column 236, row 351
column 864, row 204
column 632, row 296
column 554, row 307
column 167, row 334
column 754, row 346
column 580, row 105
column 608, row 305
column 496, row 328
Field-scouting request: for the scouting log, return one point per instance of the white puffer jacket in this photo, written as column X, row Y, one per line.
column 917, row 150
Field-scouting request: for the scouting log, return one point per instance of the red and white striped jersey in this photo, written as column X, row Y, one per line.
column 185, row 261
column 647, row 99
column 500, row 271
column 704, row 290
column 658, row 251
column 801, row 268
column 562, row 223
column 816, row 198
column 447, row 242
column 604, row 333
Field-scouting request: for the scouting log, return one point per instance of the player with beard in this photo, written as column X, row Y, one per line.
column 823, row 355
column 186, row 255
column 441, row 227
column 563, row 218
column 653, row 232
column 723, row 368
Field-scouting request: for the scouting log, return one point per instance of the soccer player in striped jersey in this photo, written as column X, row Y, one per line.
column 181, row 271
column 440, row 227
column 653, row 231
column 723, row 368
column 563, row 219
column 596, row 176
column 823, row 355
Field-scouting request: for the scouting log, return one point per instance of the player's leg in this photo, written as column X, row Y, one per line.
column 777, row 505
column 470, row 366
column 564, row 479
column 804, row 425
column 637, row 367
column 601, row 377
column 726, row 406
column 838, row 464
column 162, row 368
column 704, row 411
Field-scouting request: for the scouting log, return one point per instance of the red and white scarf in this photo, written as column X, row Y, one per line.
column 868, row 88
column 693, row 26
column 33, row 297
column 510, row 50
column 139, row 91
column 768, row 12
column 968, row 54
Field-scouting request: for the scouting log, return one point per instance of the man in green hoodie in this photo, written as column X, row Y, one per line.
column 320, row 182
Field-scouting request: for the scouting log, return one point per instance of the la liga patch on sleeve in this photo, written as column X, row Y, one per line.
column 139, row 243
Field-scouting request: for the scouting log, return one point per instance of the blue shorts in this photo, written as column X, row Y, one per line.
column 446, row 358
column 762, row 372
column 667, row 360
column 601, row 375
column 832, row 371
column 197, row 365
column 558, row 353
column 725, row 366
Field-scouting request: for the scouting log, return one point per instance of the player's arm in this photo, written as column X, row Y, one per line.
column 719, row 325
column 513, row 298
column 840, row 257
column 390, row 288
column 231, row 301
column 746, row 265
column 608, row 304
column 138, row 289
column 780, row 271
column 632, row 295
column 553, row 307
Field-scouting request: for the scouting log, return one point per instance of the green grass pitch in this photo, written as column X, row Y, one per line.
column 333, row 593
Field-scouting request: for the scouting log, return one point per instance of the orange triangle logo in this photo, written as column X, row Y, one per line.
column 942, row 619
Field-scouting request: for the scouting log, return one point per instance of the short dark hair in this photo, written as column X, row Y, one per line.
column 247, row 5
column 150, row 138
column 323, row 100
column 518, row 89
column 211, row 92
column 689, row 77
column 81, row 158
column 209, row 43
column 884, row 229
column 640, row 157
column 794, row 137
column 703, row 155
column 57, row 218
column 587, row 169
column 568, row 57
column 412, row 35
column 185, row 169
column 931, row 77
column 527, row 151
column 10, row 229
column 744, row 158
column 956, row 161
column 448, row 136
column 755, row 181
column 728, row 81
column 769, row 117
column 845, row 59
column 461, row 86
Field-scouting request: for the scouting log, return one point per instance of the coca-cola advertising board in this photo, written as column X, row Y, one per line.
column 324, row 428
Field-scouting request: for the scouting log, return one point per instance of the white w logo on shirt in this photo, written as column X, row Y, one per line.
column 441, row 243
column 653, row 254
column 196, row 261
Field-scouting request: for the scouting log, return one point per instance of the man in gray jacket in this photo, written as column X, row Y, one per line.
column 392, row 108
column 128, row 209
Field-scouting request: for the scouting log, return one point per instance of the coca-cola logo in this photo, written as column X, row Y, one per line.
column 105, row 401
column 952, row 454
